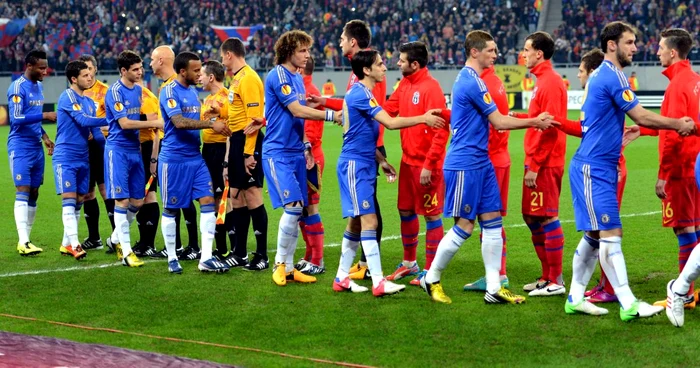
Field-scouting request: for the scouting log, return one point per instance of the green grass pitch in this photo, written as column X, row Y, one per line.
column 246, row 309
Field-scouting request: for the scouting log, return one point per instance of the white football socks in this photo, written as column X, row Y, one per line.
column 168, row 228
column 690, row 273
column 448, row 247
column 585, row 260
column 207, row 226
column 348, row 251
column 70, row 225
column 287, row 235
column 491, row 252
column 613, row 263
column 22, row 216
column 371, row 249
column 31, row 215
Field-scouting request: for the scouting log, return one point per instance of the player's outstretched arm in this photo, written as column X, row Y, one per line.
column 327, row 102
column 126, row 123
column 644, row 117
column 503, row 122
column 305, row 112
column 569, row 127
column 219, row 126
column 432, row 118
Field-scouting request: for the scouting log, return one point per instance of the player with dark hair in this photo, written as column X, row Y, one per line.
column 246, row 104
column 421, row 184
column 286, row 150
column 162, row 59
column 357, row 36
column 593, row 174
column 544, row 167
column 470, row 180
column 182, row 172
column 96, row 151
column 25, row 100
column 76, row 121
column 310, row 224
column 356, row 169
column 124, row 173
column 215, row 107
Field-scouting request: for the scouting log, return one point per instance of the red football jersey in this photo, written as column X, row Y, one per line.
column 546, row 148
column 498, row 141
column 417, row 93
column 313, row 128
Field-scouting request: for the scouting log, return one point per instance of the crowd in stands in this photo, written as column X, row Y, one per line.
column 582, row 20
column 141, row 25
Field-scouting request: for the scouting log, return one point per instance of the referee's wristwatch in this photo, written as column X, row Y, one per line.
column 154, row 160
column 224, row 164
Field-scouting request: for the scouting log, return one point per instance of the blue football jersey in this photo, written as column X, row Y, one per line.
column 75, row 121
column 179, row 144
column 471, row 106
column 284, row 133
column 25, row 101
column 121, row 102
column 360, row 130
column 606, row 100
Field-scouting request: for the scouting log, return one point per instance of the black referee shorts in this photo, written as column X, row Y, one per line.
column 237, row 176
column 214, row 155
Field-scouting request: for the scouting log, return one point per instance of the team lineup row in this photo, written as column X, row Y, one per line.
column 462, row 183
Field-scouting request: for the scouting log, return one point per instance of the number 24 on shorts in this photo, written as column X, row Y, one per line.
column 430, row 201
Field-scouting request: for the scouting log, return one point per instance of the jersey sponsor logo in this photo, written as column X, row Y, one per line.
column 487, row 98
column 416, row 98
column 286, row 90
column 118, row 107
column 627, row 95
column 76, row 107
column 373, row 102
column 16, row 99
column 172, row 103
column 190, row 109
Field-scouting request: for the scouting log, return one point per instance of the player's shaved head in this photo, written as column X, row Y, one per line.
column 678, row 39
column 163, row 52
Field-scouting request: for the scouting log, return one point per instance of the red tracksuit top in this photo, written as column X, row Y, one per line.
column 677, row 154
column 546, row 148
column 312, row 128
column 417, row 93
column 498, row 141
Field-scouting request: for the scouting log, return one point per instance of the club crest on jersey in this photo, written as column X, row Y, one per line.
column 76, row 107
column 605, row 218
column 416, row 98
column 16, row 99
column 118, row 106
column 373, row 102
column 286, row 90
column 627, row 95
column 365, row 204
column 487, row 98
column 172, row 103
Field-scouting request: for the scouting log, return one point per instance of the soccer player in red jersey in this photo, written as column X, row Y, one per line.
column 676, row 186
column 544, row 167
column 310, row 223
column 500, row 158
column 603, row 292
column 421, row 184
column 357, row 36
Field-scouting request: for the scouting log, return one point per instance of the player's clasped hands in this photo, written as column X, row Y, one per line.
column 433, row 118
column 545, row 121
column 631, row 133
column 221, row 127
column 338, row 118
column 687, row 126
column 254, row 126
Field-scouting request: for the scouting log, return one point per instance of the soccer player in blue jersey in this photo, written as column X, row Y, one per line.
column 470, row 180
column 182, row 173
column 71, row 163
column 25, row 100
column 124, row 174
column 286, row 151
column 362, row 115
column 593, row 174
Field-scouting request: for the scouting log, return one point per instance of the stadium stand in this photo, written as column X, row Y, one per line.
column 579, row 31
column 66, row 29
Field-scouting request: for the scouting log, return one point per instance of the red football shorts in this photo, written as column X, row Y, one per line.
column 680, row 208
column 424, row 201
column 543, row 201
column 503, row 179
column 315, row 196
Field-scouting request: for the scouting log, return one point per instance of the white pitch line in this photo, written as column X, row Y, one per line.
column 332, row 245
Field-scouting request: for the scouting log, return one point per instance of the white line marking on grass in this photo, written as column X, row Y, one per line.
column 332, row 245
